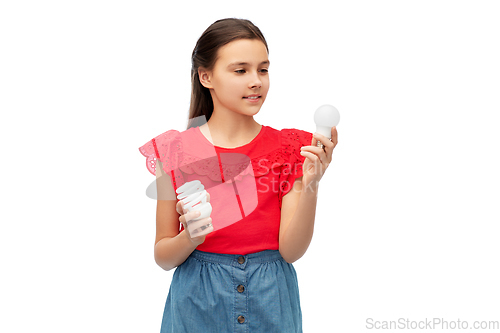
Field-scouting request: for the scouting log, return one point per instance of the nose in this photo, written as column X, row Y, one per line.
column 255, row 81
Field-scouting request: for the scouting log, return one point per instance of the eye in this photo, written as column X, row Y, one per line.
column 264, row 70
column 240, row 71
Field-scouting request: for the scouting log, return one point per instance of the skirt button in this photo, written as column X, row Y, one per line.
column 241, row 319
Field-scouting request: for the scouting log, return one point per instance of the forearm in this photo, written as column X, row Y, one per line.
column 298, row 234
column 171, row 252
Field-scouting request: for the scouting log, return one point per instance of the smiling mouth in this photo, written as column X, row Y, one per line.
column 253, row 97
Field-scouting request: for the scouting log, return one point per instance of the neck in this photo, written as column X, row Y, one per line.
column 232, row 129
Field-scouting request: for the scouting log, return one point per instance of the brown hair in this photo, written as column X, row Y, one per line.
column 205, row 54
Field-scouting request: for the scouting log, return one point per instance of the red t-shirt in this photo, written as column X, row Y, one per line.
column 246, row 183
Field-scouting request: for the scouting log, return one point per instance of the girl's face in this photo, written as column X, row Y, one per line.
column 239, row 81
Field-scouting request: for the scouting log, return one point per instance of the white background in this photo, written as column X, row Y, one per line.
column 407, row 222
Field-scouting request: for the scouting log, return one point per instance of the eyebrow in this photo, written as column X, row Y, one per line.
column 267, row 62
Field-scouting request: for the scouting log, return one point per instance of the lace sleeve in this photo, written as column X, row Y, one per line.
column 166, row 147
column 291, row 141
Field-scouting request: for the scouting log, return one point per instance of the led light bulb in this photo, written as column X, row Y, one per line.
column 325, row 117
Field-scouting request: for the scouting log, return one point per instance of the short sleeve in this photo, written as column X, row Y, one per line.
column 166, row 147
column 291, row 141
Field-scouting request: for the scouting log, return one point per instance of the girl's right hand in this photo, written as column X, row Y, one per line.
column 190, row 226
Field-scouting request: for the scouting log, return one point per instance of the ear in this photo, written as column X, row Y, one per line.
column 205, row 77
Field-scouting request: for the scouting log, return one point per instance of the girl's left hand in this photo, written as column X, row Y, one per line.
column 317, row 159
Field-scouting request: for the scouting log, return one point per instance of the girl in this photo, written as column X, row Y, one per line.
column 237, row 275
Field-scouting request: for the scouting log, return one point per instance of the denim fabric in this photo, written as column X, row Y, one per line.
column 206, row 295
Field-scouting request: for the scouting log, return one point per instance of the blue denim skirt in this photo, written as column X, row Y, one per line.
column 220, row 293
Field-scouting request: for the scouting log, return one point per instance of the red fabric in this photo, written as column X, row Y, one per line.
column 246, row 184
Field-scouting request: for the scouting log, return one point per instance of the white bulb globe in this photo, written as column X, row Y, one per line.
column 325, row 117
